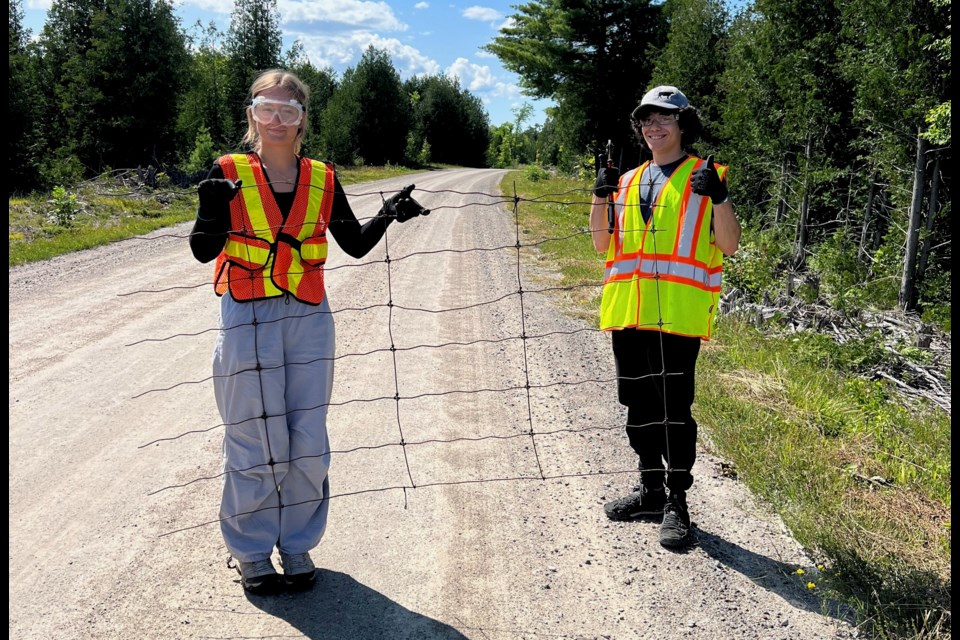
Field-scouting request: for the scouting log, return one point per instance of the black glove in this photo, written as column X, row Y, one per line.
column 607, row 180
column 402, row 207
column 706, row 182
column 215, row 192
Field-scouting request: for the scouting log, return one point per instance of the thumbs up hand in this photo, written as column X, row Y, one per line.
column 607, row 181
column 706, row 182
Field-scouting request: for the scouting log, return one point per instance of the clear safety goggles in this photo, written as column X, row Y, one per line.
column 265, row 110
column 659, row 120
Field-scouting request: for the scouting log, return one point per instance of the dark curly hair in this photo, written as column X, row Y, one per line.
column 690, row 126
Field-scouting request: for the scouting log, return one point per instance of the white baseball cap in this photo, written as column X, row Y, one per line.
column 663, row 97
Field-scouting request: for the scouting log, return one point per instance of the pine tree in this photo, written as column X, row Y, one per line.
column 253, row 45
column 590, row 56
column 368, row 118
column 24, row 107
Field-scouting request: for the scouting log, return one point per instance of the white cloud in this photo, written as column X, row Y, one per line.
column 354, row 13
column 345, row 49
column 509, row 23
column 484, row 14
column 39, row 4
column 416, row 62
column 506, row 90
column 478, row 78
column 422, row 5
column 223, row 7
column 472, row 76
column 483, row 54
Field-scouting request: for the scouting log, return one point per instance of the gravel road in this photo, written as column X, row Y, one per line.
column 110, row 350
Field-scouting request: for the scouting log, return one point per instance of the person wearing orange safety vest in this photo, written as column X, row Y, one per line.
column 672, row 224
column 264, row 217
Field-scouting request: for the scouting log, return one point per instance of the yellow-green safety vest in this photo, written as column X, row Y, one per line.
column 663, row 274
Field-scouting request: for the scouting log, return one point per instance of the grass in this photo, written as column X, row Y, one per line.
column 859, row 474
column 559, row 221
column 97, row 212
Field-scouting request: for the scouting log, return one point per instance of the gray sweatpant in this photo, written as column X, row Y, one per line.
column 272, row 383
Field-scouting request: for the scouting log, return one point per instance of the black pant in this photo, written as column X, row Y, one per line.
column 656, row 380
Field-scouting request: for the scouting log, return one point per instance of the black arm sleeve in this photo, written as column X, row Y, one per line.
column 354, row 239
column 210, row 230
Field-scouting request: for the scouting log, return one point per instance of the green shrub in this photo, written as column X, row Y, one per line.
column 536, row 173
column 61, row 170
column 64, row 207
column 935, row 294
column 858, row 355
column 839, row 268
column 423, row 156
column 204, row 152
column 757, row 266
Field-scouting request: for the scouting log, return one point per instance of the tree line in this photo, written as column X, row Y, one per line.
column 121, row 84
column 835, row 118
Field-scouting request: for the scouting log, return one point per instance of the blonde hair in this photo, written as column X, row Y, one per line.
column 277, row 78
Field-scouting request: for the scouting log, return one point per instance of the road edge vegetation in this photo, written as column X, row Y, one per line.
column 858, row 472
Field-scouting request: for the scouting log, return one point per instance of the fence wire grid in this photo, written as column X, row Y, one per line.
column 525, row 386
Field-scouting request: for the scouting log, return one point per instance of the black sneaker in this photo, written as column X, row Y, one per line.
column 675, row 529
column 259, row 577
column 642, row 502
column 299, row 571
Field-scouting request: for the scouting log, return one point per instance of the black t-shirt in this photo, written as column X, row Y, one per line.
column 652, row 182
column 211, row 227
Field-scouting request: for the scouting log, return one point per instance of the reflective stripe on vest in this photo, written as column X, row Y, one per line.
column 665, row 273
column 266, row 256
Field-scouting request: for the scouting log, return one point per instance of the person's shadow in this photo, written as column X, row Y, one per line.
column 340, row 607
column 770, row 574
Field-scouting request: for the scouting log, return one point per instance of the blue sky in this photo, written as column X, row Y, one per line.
column 422, row 37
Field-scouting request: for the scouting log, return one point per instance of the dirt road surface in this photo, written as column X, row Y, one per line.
column 99, row 550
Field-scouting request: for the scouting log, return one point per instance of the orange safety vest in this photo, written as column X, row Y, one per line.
column 664, row 274
column 266, row 256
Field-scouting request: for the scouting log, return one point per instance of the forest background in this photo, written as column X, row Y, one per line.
column 835, row 118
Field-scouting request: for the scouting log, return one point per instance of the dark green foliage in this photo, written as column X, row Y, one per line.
column 781, row 98
column 367, row 119
column 449, row 120
column 116, row 70
column 322, row 84
column 202, row 105
column 384, row 109
column 24, row 107
column 590, row 56
column 692, row 58
column 137, row 63
column 204, row 153
column 253, row 45
column 337, row 136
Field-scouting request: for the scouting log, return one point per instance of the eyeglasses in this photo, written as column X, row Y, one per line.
column 659, row 120
column 265, row 110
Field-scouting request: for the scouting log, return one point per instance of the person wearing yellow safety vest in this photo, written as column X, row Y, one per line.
column 672, row 223
column 264, row 216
